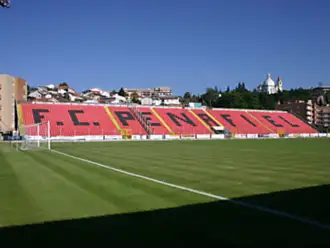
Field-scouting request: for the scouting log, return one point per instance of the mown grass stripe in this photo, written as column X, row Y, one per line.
column 218, row 197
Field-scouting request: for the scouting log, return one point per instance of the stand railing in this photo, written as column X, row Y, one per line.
column 141, row 119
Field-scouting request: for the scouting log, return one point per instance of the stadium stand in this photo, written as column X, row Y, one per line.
column 207, row 118
column 125, row 119
column 80, row 120
column 182, row 121
column 69, row 120
column 282, row 122
column 240, row 122
column 155, row 123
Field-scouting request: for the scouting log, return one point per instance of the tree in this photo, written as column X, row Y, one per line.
column 225, row 101
column 293, row 95
column 134, row 96
column 328, row 98
column 241, row 87
column 63, row 84
column 241, row 97
column 254, row 102
column 195, row 98
column 30, row 89
column 5, row 3
column 66, row 95
column 239, row 100
column 136, row 100
column 210, row 96
column 122, row 92
column 267, row 101
column 187, row 96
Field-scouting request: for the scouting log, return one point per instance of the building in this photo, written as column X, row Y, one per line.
column 321, row 100
column 139, row 92
column 164, row 100
column 155, row 92
column 163, row 91
column 52, row 93
column 11, row 90
column 167, row 101
column 194, row 105
column 319, row 95
column 322, row 116
column 303, row 109
column 96, row 91
column 310, row 111
column 146, row 101
column 269, row 86
column 171, row 100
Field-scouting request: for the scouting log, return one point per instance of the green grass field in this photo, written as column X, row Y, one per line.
column 62, row 198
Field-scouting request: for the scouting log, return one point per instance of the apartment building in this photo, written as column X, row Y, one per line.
column 319, row 93
column 11, row 90
column 322, row 116
column 309, row 111
column 155, row 92
column 303, row 109
column 163, row 91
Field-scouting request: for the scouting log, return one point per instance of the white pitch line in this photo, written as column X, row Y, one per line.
column 218, row 197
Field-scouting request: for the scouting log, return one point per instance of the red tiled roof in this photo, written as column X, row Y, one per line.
column 63, row 87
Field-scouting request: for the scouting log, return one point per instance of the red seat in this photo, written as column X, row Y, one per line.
column 207, row 118
column 127, row 121
column 282, row 122
column 182, row 121
column 239, row 122
column 70, row 120
column 156, row 125
column 83, row 120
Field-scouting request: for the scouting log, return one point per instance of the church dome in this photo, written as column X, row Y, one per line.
column 269, row 81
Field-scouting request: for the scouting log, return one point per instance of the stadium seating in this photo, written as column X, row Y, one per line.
column 240, row 122
column 207, row 118
column 282, row 122
column 69, row 120
column 126, row 120
column 182, row 121
column 83, row 120
column 154, row 122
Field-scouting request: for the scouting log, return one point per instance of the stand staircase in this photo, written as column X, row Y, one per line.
column 141, row 119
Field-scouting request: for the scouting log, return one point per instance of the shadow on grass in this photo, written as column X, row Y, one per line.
column 214, row 223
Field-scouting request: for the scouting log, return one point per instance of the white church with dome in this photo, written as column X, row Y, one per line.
column 269, row 86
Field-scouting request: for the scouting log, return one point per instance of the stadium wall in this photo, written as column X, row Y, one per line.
column 163, row 138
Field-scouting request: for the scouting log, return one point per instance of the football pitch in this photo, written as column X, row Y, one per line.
column 176, row 192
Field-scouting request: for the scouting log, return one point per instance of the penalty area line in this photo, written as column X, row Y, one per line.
column 218, row 197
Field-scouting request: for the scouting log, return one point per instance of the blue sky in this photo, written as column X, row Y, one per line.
column 185, row 44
